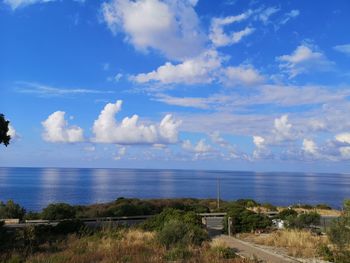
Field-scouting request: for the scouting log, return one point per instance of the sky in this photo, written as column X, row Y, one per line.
column 176, row 84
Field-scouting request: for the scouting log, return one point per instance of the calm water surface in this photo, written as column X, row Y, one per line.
column 35, row 188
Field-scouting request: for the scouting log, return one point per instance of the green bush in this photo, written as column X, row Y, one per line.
column 179, row 233
column 287, row 214
column 58, row 211
column 304, row 220
column 244, row 220
column 11, row 210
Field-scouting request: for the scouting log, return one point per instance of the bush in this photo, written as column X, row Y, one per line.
column 11, row 210
column 69, row 226
column 287, row 214
column 304, row 220
column 244, row 220
column 175, row 232
column 58, row 211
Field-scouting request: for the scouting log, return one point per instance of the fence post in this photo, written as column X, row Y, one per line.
column 229, row 222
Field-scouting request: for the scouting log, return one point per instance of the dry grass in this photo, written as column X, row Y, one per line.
column 122, row 246
column 299, row 243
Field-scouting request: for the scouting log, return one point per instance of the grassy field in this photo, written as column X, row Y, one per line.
column 127, row 245
column 298, row 243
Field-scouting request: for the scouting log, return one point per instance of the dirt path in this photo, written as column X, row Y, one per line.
column 248, row 250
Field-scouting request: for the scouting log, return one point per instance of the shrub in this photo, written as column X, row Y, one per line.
column 287, row 214
column 304, row 220
column 58, row 211
column 69, row 226
column 244, row 220
column 11, row 210
column 175, row 232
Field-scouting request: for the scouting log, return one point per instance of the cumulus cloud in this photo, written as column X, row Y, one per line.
column 201, row 69
column 283, row 129
column 220, row 38
column 304, row 60
column 171, row 27
column 343, row 48
column 310, row 147
column 57, row 129
column 201, row 146
column 107, row 130
column 244, row 75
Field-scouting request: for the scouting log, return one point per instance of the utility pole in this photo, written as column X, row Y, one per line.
column 218, row 193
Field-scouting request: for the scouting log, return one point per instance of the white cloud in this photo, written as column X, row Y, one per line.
column 343, row 48
column 283, row 129
column 201, row 69
column 288, row 16
column 343, row 138
column 304, row 60
column 259, row 141
column 201, row 147
column 56, row 129
column 220, row 38
column 12, row 132
column 129, row 131
column 49, row 91
column 14, row 4
column 264, row 16
column 242, row 75
column 171, row 27
column 310, row 147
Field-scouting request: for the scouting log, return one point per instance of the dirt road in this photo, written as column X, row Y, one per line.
column 249, row 251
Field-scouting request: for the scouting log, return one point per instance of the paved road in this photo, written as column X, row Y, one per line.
column 249, row 251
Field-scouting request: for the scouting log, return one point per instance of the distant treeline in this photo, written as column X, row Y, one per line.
column 133, row 207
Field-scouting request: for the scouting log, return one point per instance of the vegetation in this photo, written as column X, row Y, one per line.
column 4, row 128
column 298, row 243
column 11, row 210
column 244, row 220
column 339, row 235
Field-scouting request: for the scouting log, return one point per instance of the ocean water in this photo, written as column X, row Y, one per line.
column 35, row 188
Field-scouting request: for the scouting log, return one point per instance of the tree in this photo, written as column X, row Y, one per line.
column 4, row 128
column 11, row 210
column 58, row 211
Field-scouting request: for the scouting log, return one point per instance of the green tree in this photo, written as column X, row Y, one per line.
column 11, row 210
column 4, row 128
column 59, row 211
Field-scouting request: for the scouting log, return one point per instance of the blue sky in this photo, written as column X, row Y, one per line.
column 238, row 85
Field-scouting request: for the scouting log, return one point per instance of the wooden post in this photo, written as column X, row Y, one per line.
column 229, row 222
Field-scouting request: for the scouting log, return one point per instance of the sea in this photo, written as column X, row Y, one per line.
column 35, row 188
